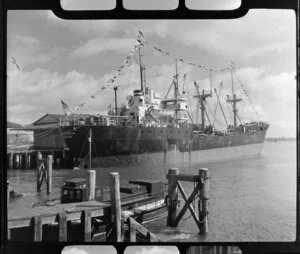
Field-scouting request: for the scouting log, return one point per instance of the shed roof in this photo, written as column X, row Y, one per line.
column 48, row 119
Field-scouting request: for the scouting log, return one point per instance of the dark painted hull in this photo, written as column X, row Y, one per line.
column 125, row 145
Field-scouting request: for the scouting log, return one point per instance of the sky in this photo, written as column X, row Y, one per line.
column 70, row 60
column 92, row 249
column 151, row 250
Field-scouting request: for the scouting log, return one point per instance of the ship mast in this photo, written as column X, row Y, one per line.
column 234, row 100
column 202, row 98
column 141, row 70
column 116, row 104
column 90, row 149
column 176, row 91
column 176, row 88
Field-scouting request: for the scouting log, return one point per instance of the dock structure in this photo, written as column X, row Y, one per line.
column 79, row 221
column 44, row 172
column 34, row 221
column 117, row 219
column 201, row 188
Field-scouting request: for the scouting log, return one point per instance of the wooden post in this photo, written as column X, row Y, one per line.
column 38, row 171
column 7, row 189
column 86, row 223
column 173, row 197
column 11, row 160
column 62, row 227
column 203, row 200
column 49, row 174
column 15, row 163
column 26, row 160
column 90, row 184
column 29, row 161
column 21, row 162
column 114, row 183
column 132, row 230
column 37, row 227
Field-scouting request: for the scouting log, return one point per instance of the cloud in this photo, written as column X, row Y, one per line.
column 273, row 96
column 85, row 249
column 213, row 4
column 98, row 45
column 85, row 28
column 42, row 90
column 270, row 32
column 151, row 250
column 254, row 42
column 29, row 51
column 73, row 250
column 87, row 4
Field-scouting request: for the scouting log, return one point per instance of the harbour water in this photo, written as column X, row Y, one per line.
column 251, row 199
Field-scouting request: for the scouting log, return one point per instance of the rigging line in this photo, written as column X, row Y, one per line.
column 248, row 112
column 239, row 118
column 83, row 145
column 229, row 111
column 95, row 147
column 170, row 88
column 241, row 84
column 216, row 106
column 221, row 105
column 186, row 62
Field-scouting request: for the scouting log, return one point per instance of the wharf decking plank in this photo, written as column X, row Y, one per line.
column 22, row 217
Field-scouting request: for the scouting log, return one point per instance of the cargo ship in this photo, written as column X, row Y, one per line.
column 155, row 130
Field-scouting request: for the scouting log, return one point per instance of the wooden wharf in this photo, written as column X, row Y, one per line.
column 77, row 221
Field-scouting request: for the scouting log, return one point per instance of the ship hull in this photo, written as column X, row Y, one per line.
column 117, row 146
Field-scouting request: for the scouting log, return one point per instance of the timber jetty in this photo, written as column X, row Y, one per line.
column 113, row 221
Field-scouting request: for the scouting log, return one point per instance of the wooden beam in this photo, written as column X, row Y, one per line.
column 51, row 218
column 86, row 225
column 62, row 227
column 188, row 202
column 132, row 230
column 187, row 205
column 184, row 177
column 37, row 228
column 140, row 228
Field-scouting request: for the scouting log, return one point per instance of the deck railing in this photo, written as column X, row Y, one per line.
column 77, row 120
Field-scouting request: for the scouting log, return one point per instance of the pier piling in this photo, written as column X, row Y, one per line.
column 44, row 172
column 114, row 182
column 203, row 200
column 90, row 184
column 49, row 174
column 173, row 197
column 86, row 223
column 62, row 227
column 37, row 227
column 7, row 191
column 201, row 188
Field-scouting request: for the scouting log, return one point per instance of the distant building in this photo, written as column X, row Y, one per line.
column 48, row 139
column 47, row 134
column 18, row 140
